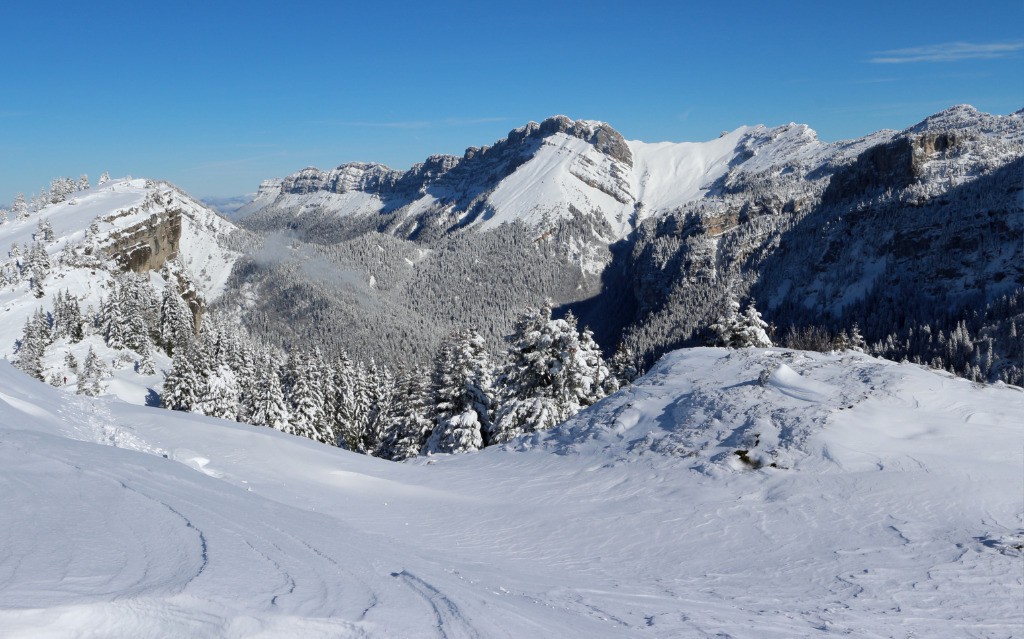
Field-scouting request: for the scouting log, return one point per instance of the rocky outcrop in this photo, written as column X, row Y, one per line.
column 355, row 176
column 147, row 245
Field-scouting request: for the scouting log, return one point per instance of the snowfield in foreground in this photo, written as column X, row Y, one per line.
column 754, row 493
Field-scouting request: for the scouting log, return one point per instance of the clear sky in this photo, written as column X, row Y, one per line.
column 216, row 96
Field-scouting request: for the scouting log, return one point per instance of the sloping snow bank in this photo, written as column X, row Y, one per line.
column 893, row 509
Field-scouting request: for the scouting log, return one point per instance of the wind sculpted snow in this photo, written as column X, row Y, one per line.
column 871, row 499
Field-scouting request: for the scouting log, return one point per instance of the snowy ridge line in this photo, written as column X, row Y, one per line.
column 560, row 169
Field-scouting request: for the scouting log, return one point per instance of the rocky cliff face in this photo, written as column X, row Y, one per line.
column 146, row 245
column 151, row 235
column 921, row 227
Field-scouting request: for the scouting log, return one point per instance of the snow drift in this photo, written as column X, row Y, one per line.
column 871, row 499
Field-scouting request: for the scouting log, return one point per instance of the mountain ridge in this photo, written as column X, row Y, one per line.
column 562, row 169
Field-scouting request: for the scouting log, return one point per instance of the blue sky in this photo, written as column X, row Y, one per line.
column 216, row 96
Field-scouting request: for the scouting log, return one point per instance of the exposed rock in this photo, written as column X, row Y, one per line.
column 147, row 245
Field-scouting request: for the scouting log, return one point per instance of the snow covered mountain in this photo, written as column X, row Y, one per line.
column 653, row 236
column 558, row 170
column 912, row 235
column 564, row 169
column 83, row 244
column 749, row 494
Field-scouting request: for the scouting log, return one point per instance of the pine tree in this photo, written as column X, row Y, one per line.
column 268, row 405
column 624, row 365
column 175, row 321
column 44, row 231
column 94, row 371
column 857, row 342
column 380, row 392
column 740, row 331
column 71, row 362
column 463, row 391
column 67, row 317
column 306, row 398
column 32, row 347
column 594, row 377
column 146, row 365
column 413, row 419
column 219, row 395
column 184, row 384
column 550, row 376
column 127, row 313
column 353, row 406
column 20, row 207
column 38, row 267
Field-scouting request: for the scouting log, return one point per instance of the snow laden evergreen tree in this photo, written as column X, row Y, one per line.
column 624, row 365
column 20, row 207
column 463, row 392
column 212, row 374
column 412, row 416
column 595, row 370
column 740, row 330
column 44, row 231
column 38, row 267
column 128, row 312
column 176, row 324
column 219, row 394
column 306, row 398
column 353, row 405
column 185, row 382
column 380, row 391
column 94, row 371
column 71, row 362
column 550, row 376
column 857, row 342
column 36, row 336
column 266, row 404
column 145, row 364
column 67, row 317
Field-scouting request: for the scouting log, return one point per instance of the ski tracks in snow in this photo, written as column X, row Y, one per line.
column 450, row 622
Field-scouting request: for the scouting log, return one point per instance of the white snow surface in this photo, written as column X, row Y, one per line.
column 893, row 510
column 668, row 175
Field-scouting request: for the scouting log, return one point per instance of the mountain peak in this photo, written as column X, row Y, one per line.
column 599, row 134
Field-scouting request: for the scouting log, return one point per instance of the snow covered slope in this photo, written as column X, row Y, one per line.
column 140, row 225
column 886, row 503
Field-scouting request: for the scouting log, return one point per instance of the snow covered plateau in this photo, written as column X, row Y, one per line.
column 760, row 493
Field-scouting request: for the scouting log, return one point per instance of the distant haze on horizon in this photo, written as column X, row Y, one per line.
column 219, row 98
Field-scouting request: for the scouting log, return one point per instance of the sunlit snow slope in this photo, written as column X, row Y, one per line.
column 893, row 509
